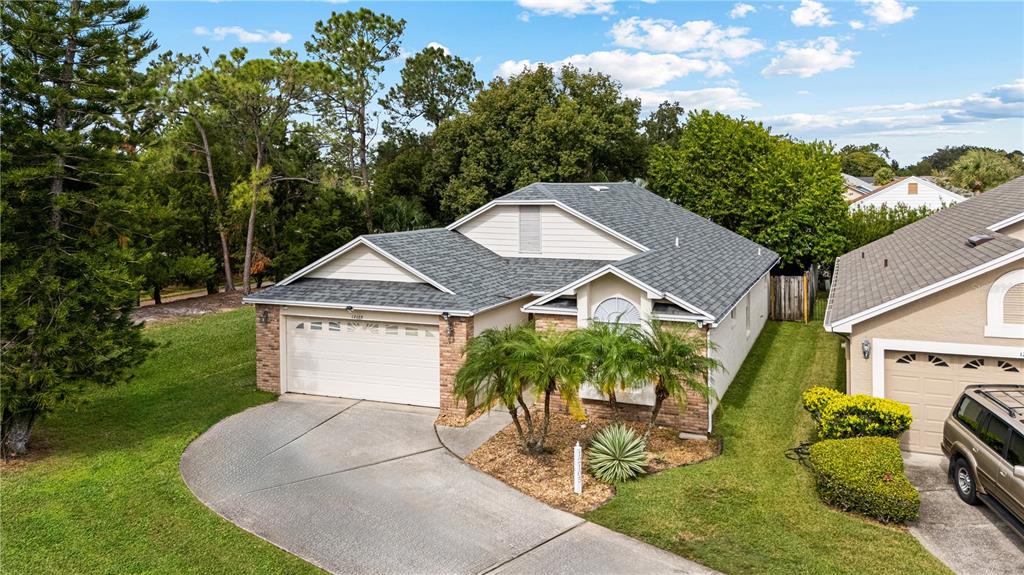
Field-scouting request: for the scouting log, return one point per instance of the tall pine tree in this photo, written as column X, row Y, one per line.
column 70, row 81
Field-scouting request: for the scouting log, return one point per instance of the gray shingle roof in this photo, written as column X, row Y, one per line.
column 479, row 277
column 924, row 252
column 710, row 269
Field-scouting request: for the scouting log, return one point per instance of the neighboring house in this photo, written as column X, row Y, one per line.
column 935, row 306
column 386, row 317
column 855, row 188
column 911, row 191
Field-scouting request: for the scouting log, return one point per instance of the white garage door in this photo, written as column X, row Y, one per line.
column 930, row 382
column 378, row 361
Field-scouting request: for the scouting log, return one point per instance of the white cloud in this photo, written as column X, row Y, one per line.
column 523, row 17
column 888, row 11
column 243, row 35
column 810, row 59
column 741, row 11
column 512, row 67
column 948, row 116
column 856, row 24
column 635, row 71
column 702, row 37
column 803, row 93
column 441, row 46
column 811, row 13
column 722, row 99
column 568, row 8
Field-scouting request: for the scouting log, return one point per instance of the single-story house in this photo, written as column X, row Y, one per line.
column 934, row 307
column 910, row 191
column 855, row 188
column 386, row 316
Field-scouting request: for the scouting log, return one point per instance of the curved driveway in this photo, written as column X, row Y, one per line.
column 361, row 487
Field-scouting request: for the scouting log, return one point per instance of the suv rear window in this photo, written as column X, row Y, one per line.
column 969, row 413
column 996, row 433
column 1015, row 454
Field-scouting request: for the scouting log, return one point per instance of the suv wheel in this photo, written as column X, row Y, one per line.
column 964, row 482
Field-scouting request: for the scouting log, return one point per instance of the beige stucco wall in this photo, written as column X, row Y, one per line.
column 1014, row 231
column 954, row 315
column 501, row 316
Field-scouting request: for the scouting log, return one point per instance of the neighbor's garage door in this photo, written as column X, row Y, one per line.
column 929, row 383
column 378, row 361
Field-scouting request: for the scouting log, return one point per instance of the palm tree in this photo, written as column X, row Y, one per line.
column 675, row 360
column 488, row 374
column 615, row 359
column 551, row 361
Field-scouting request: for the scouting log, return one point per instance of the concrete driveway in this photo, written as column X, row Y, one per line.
column 970, row 540
column 361, row 487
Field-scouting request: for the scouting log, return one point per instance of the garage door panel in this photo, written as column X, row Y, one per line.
column 378, row 361
column 930, row 384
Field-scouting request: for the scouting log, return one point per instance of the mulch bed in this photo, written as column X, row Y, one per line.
column 189, row 307
column 548, row 476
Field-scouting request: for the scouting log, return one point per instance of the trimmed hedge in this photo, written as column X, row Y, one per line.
column 816, row 398
column 861, row 416
column 865, row 475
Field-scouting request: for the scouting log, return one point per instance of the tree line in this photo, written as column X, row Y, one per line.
column 969, row 169
column 127, row 169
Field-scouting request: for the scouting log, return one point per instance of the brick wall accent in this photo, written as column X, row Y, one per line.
column 268, row 348
column 559, row 322
column 692, row 419
column 451, row 361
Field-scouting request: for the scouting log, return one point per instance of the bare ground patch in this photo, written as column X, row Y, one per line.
column 188, row 307
column 548, row 476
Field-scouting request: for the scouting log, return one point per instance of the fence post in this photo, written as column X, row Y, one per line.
column 805, row 298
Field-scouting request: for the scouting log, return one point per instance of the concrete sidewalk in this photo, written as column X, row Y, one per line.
column 361, row 487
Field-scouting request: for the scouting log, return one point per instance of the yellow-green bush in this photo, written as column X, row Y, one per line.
column 861, row 416
column 816, row 398
column 865, row 475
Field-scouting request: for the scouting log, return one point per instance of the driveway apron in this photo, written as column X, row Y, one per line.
column 362, row 487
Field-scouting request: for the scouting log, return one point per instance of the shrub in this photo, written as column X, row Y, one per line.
column 816, row 398
column 616, row 454
column 865, row 475
column 862, row 416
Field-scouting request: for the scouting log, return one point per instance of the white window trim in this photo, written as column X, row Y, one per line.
column 994, row 325
column 881, row 345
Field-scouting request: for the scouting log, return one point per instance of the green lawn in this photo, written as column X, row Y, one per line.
column 107, row 497
column 751, row 510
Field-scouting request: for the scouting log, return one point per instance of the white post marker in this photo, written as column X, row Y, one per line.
column 577, row 469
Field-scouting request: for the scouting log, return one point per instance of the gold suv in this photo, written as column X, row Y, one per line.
column 983, row 437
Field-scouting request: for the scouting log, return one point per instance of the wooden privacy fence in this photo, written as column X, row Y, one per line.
column 792, row 297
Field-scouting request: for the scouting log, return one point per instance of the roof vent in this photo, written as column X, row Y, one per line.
column 598, row 188
column 975, row 241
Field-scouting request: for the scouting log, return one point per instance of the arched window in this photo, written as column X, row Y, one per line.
column 1005, row 317
column 616, row 310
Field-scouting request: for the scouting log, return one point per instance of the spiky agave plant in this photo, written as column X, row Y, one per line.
column 617, row 454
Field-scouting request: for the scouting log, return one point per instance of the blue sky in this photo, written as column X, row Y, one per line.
column 912, row 76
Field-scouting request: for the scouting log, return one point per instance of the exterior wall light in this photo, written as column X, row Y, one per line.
column 450, row 332
column 865, row 348
column 264, row 318
column 349, row 308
